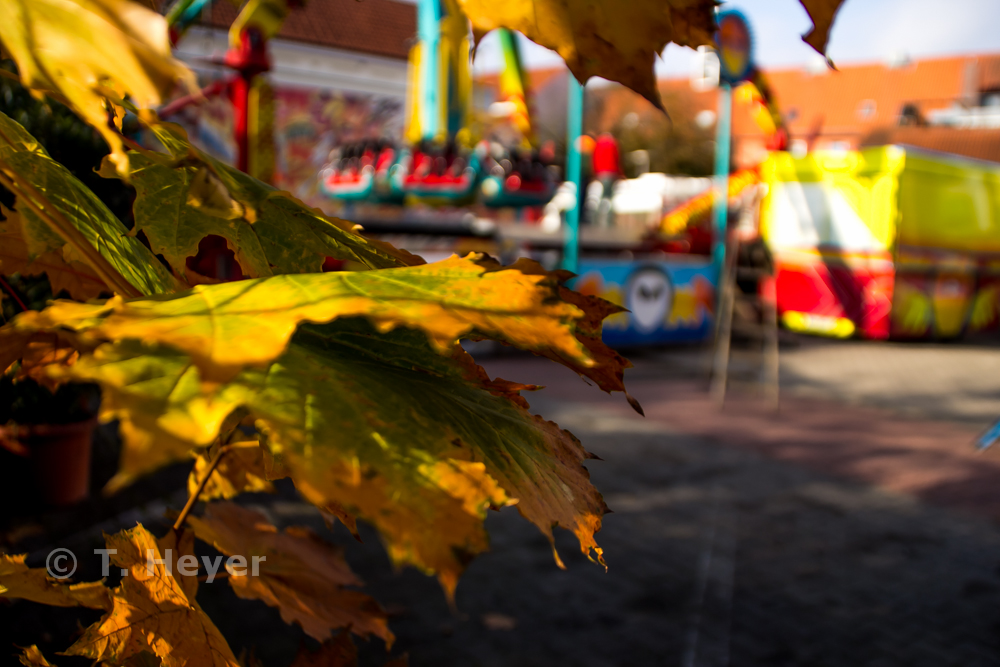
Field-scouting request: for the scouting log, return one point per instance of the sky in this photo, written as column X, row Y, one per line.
column 864, row 31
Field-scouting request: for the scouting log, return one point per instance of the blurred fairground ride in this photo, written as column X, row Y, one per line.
column 881, row 242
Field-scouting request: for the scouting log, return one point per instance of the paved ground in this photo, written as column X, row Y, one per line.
column 854, row 527
column 949, row 381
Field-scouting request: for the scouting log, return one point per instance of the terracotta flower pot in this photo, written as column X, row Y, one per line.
column 59, row 454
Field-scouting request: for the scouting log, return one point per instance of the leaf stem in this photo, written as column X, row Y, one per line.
column 64, row 228
column 193, row 497
column 10, row 290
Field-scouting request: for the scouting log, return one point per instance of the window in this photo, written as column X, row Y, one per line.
column 866, row 109
column 990, row 98
column 910, row 115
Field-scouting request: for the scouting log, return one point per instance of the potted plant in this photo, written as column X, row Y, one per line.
column 51, row 427
column 53, row 430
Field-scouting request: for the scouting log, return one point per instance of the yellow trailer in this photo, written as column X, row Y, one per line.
column 888, row 241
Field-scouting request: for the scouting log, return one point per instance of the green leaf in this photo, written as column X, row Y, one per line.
column 379, row 424
column 182, row 199
column 96, row 236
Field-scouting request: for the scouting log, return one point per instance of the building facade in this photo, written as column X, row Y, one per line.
column 338, row 75
column 944, row 104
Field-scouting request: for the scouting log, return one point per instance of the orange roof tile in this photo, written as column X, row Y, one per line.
column 607, row 106
column 856, row 99
column 859, row 97
column 380, row 27
column 989, row 72
column 537, row 78
column 844, row 104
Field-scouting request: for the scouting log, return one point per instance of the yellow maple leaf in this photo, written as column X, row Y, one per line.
column 82, row 51
column 435, row 524
column 607, row 367
column 377, row 425
column 367, row 421
column 249, row 323
column 305, row 578
column 152, row 612
column 17, row 580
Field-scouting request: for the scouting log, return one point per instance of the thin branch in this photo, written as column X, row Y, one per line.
column 198, row 97
column 193, row 498
column 10, row 290
column 54, row 218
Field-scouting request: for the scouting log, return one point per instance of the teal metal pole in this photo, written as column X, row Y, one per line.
column 720, row 209
column 574, row 128
column 429, row 31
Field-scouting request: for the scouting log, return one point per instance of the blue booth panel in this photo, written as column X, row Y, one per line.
column 671, row 299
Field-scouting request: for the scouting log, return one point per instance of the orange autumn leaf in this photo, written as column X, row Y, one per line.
column 607, row 369
column 39, row 355
column 434, row 520
column 180, row 544
column 151, row 612
column 305, row 578
column 822, row 13
column 32, row 657
column 608, row 38
column 18, row 256
column 337, row 652
column 333, row 511
column 240, row 470
column 17, row 580
column 617, row 40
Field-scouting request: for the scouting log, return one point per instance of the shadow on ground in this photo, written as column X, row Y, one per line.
column 722, row 549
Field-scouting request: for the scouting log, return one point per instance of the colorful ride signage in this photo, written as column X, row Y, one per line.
column 735, row 44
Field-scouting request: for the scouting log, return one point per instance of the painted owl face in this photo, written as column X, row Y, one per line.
column 650, row 296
